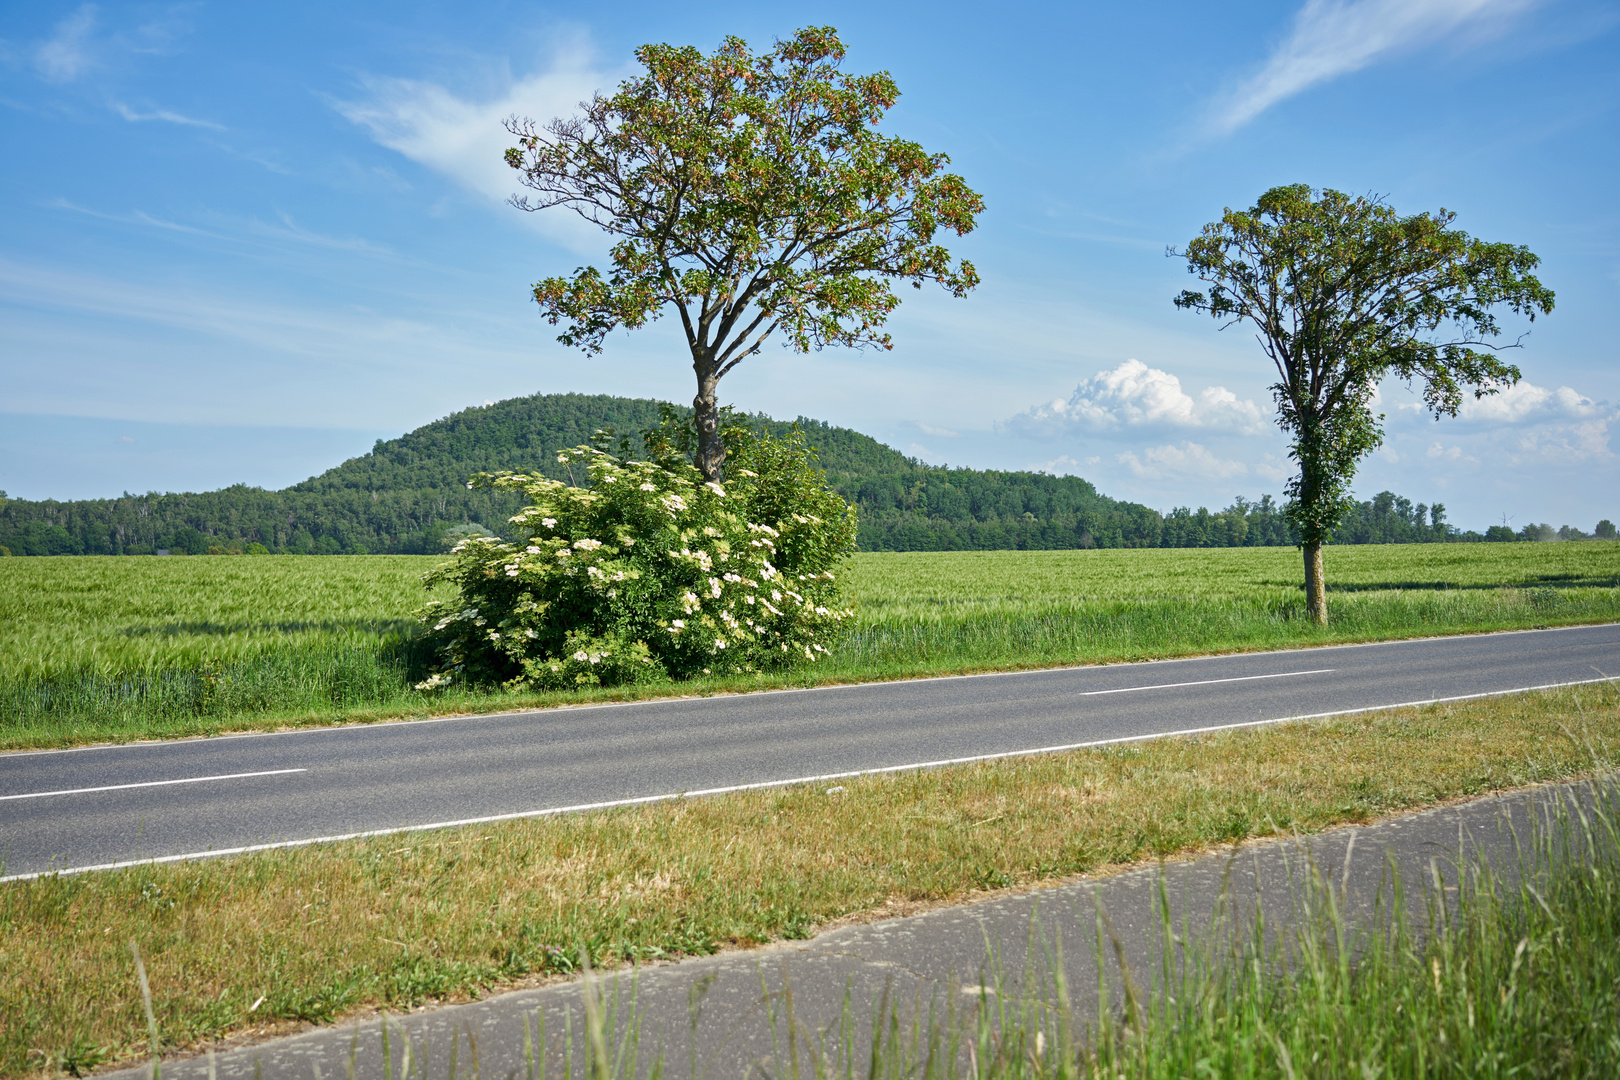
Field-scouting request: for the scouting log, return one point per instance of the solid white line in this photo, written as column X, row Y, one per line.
column 149, row 783
column 762, row 785
column 1205, row 682
column 389, row 725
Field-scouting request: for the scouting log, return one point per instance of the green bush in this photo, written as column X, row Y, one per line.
column 646, row 572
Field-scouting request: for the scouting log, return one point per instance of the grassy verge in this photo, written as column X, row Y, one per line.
column 1517, row 973
column 111, row 649
column 313, row 933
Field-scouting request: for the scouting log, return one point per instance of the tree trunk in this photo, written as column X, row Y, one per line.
column 1315, row 587
column 711, row 452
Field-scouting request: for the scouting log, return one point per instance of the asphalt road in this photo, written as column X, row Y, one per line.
column 102, row 806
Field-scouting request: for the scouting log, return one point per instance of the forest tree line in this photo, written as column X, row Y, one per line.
column 405, row 495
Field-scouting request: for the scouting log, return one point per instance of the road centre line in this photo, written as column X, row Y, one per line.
column 149, row 783
column 767, row 784
column 1205, row 682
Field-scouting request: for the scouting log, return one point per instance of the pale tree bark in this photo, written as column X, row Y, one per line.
column 1315, row 585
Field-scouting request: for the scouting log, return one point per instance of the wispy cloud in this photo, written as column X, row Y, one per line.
column 937, row 432
column 241, row 230
column 66, row 54
column 462, row 138
column 163, row 116
column 1331, row 38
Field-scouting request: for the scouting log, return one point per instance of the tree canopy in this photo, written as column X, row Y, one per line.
column 1344, row 292
column 749, row 193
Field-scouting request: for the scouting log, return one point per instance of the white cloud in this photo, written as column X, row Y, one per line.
column 1330, row 38
column 1133, row 397
column 1439, row 452
column 1548, row 426
column 65, row 55
column 1524, row 402
column 1062, row 465
column 462, row 137
column 1564, row 444
column 233, row 230
column 163, row 115
column 1189, row 461
column 941, row 433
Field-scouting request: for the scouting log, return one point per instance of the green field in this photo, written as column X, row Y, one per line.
column 97, row 648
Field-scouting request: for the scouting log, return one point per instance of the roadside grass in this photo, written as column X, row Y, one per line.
column 1515, row 973
column 103, row 649
column 318, row 932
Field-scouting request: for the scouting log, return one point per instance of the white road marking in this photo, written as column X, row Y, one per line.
column 671, row 796
column 149, row 783
column 1205, row 682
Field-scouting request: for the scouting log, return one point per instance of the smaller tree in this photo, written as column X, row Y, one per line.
column 750, row 194
column 1344, row 292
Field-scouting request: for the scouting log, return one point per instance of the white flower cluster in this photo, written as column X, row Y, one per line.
column 645, row 558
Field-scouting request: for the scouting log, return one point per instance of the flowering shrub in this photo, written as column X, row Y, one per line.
column 647, row 572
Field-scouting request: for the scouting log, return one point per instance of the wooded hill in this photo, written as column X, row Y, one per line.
column 405, row 494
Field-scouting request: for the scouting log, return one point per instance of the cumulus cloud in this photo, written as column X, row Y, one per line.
column 1330, row 38
column 1537, row 423
column 1189, row 461
column 1135, row 397
column 1524, row 402
column 461, row 137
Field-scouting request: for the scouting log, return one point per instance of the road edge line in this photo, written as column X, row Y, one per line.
column 642, row 800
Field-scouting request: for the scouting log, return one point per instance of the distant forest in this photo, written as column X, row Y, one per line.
column 407, row 493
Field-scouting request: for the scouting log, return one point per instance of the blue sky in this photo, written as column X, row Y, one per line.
column 241, row 242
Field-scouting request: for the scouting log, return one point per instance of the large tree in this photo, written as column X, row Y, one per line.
column 750, row 194
column 1344, row 292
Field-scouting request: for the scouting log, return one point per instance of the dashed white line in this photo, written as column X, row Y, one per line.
column 149, row 783
column 1205, row 682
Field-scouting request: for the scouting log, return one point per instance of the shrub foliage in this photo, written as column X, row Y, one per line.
column 645, row 571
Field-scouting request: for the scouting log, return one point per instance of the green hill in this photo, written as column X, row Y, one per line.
column 407, row 492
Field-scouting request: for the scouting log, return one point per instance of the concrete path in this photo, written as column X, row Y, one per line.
column 933, row 959
column 101, row 806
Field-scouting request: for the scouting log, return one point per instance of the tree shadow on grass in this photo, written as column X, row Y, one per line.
column 372, row 627
column 1540, row 581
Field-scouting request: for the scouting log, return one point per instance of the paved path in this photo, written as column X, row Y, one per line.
column 108, row 805
column 933, row 958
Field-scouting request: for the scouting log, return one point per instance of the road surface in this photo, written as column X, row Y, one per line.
column 110, row 805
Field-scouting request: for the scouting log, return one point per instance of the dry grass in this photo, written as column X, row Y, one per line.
column 314, row 933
